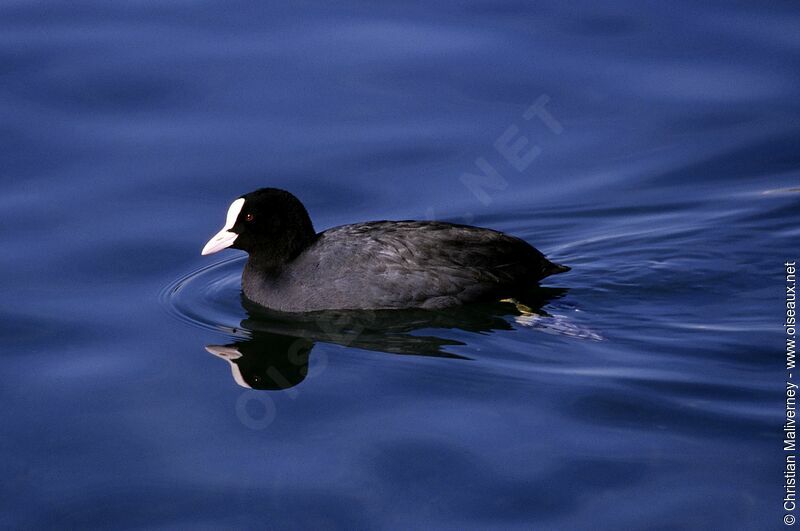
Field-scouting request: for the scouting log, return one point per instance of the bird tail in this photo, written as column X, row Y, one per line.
column 553, row 269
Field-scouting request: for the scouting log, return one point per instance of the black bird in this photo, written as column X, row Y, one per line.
column 373, row 265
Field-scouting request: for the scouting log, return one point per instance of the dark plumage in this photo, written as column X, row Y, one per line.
column 374, row 265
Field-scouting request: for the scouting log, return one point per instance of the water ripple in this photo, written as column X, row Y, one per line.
column 208, row 297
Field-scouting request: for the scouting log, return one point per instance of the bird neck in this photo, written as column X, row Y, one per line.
column 273, row 258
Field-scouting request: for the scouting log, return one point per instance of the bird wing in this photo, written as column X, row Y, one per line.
column 419, row 261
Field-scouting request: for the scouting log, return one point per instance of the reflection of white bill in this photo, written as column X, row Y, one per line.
column 229, row 354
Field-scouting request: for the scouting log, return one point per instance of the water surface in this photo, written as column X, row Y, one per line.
column 643, row 392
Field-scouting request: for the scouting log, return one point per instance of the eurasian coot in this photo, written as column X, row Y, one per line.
column 373, row 265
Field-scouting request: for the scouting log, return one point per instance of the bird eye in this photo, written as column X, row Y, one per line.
column 249, row 217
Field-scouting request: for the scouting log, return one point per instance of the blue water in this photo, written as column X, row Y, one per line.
column 643, row 392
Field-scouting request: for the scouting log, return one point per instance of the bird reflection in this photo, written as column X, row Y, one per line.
column 276, row 354
column 266, row 361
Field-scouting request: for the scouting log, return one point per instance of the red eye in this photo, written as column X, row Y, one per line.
column 249, row 217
